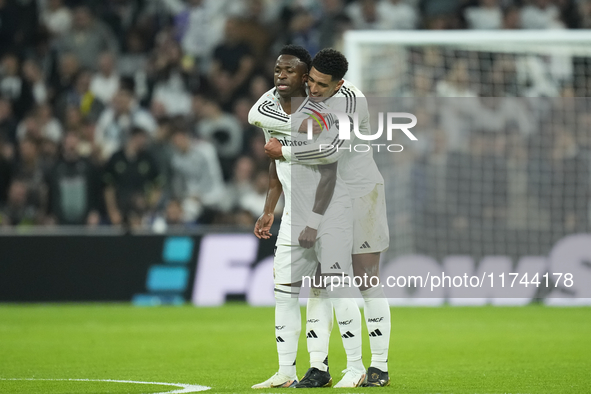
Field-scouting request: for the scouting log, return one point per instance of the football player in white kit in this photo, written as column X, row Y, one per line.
column 316, row 230
column 328, row 91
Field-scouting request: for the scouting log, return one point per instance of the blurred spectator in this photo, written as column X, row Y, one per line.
column 172, row 76
column 20, row 209
column 440, row 14
column 197, row 177
column 80, row 96
column 73, row 187
column 133, row 63
column 73, row 119
column 89, row 37
column 34, row 76
column 197, row 103
column 255, row 27
column 232, row 63
column 51, row 127
column 397, row 14
column 570, row 14
column 28, row 22
column 174, row 213
column 511, row 18
column 364, row 15
column 116, row 121
column 48, row 153
column 9, row 20
column 329, row 25
column 502, row 79
column 56, row 17
column 476, row 184
column 87, row 146
column 5, row 174
column 223, row 131
column 534, row 76
column 28, row 169
column 105, row 82
column 559, row 179
column 456, row 82
column 264, row 12
column 584, row 10
column 161, row 149
column 253, row 200
column 257, row 151
column 303, row 30
column 487, row 16
column 65, row 78
column 43, row 54
column 422, row 83
column 541, row 14
column 14, row 87
column 241, row 109
column 429, row 180
column 132, row 182
column 259, row 85
column 241, row 182
column 199, row 26
column 29, row 128
column 48, row 127
column 8, row 123
column 120, row 16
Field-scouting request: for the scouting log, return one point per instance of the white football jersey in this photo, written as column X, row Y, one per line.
column 358, row 169
column 299, row 181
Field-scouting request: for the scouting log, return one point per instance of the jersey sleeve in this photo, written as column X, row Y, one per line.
column 265, row 115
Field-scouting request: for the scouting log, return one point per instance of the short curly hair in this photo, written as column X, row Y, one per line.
column 299, row 52
column 332, row 62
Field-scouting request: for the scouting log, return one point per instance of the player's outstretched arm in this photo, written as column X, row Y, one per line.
column 263, row 225
column 324, row 193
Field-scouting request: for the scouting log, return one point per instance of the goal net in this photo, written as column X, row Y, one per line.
column 502, row 162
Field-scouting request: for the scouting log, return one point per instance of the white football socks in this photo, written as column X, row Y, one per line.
column 288, row 326
column 377, row 317
column 349, row 321
column 319, row 321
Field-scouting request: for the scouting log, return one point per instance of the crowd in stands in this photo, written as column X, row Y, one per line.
column 134, row 112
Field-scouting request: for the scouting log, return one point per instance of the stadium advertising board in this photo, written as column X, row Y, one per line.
column 562, row 277
column 226, row 266
column 91, row 267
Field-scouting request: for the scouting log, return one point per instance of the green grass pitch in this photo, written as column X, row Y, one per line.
column 532, row 349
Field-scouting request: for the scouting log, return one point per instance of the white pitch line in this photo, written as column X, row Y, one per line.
column 185, row 388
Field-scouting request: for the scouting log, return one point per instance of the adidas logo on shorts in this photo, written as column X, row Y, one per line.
column 365, row 245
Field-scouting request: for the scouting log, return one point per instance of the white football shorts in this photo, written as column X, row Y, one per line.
column 370, row 227
column 332, row 251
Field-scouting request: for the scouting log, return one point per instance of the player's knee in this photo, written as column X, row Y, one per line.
column 286, row 294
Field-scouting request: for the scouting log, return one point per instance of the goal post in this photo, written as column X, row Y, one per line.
column 381, row 58
column 502, row 165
